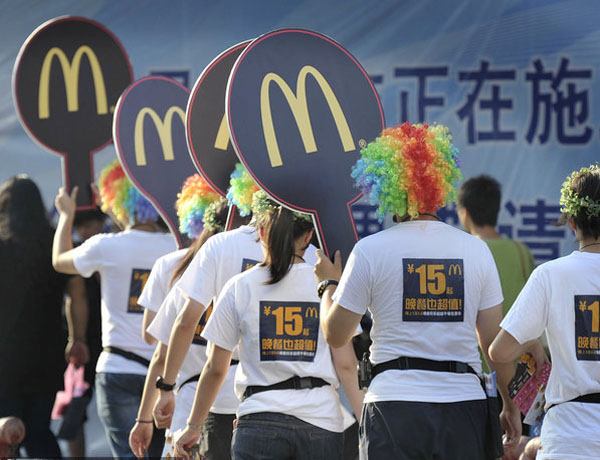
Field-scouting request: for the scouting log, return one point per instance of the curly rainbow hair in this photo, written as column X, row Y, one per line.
column 193, row 200
column 409, row 169
column 241, row 190
column 120, row 196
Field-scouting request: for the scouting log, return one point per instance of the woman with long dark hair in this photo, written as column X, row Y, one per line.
column 31, row 337
column 286, row 381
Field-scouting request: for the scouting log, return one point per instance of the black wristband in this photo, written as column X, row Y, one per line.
column 324, row 285
column 161, row 385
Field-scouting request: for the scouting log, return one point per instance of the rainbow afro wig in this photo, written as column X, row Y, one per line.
column 193, row 200
column 122, row 198
column 241, row 190
column 409, row 169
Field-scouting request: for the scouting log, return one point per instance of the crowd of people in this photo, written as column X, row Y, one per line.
column 246, row 344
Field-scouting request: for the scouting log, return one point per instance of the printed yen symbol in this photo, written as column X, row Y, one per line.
column 582, row 305
column 410, row 268
column 305, row 332
column 267, row 311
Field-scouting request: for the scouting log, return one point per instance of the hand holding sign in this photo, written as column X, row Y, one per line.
column 149, row 132
column 299, row 108
column 67, row 78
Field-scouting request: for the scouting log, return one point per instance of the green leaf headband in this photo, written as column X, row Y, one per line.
column 571, row 203
column 262, row 204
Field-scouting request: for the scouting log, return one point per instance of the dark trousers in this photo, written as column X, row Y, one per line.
column 405, row 430
column 215, row 438
column 273, row 436
column 34, row 410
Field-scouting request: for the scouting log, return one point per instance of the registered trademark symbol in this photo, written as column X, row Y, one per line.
column 362, row 143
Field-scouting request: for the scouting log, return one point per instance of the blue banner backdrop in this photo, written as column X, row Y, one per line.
column 515, row 81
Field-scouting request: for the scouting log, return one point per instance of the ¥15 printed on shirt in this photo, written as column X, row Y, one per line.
column 139, row 277
column 433, row 290
column 587, row 327
column 288, row 330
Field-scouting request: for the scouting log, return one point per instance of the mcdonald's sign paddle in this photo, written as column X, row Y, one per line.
column 149, row 132
column 299, row 108
column 66, row 81
column 207, row 132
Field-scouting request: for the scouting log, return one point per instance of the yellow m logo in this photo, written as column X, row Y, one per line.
column 454, row 269
column 162, row 127
column 70, row 72
column 311, row 312
column 222, row 140
column 299, row 107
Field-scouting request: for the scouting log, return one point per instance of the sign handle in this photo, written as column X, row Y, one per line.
column 79, row 172
column 336, row 230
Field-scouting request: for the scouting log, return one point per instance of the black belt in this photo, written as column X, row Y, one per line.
column 194, row 378
column 127, row 354
column 404, row 363
column 294, row 383
column 593, row 398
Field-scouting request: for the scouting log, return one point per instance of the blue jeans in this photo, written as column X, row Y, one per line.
column 273, row 436
column 118, row 399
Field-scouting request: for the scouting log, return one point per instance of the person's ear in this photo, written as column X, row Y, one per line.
column 571, row 224
column 308, row 236
column 261, row 233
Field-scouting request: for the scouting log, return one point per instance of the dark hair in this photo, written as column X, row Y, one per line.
column 587, row 185
column 480, row 196
column 88, row 215
column 282, row 230
column 24, row 223
column 220, row 219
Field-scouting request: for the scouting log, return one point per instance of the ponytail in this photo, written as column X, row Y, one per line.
column 281, row 233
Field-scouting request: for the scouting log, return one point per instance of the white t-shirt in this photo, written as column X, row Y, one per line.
column 424, row 283
column 124, row 261
column 161, row 326
column 562, row 298
column 223, row 256
column 158, row 284
column 279, row 334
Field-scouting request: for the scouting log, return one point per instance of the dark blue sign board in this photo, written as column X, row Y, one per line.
column 66, row 81
column 207, row 131
column 299, row 108
column 149, row 132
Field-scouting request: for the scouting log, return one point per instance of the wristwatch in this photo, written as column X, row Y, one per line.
column 324, row 285
column 161, row 385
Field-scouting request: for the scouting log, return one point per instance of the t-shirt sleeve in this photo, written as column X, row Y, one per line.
column 156, row 288
column 528, row 316
column 353, row 292
column 88, row 257
column 491, row 289
column 199, row 280
column 222, row 326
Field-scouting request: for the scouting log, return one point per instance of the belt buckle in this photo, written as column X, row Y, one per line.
column 303, row 383
column 461, row 368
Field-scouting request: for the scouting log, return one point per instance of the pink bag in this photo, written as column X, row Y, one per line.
column 75, row 387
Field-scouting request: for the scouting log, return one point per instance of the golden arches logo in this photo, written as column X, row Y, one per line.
column 299, row 107
column 222, row 140
column 455, row 269
column 70, row 71
column 163, row 128
column 311, row 312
